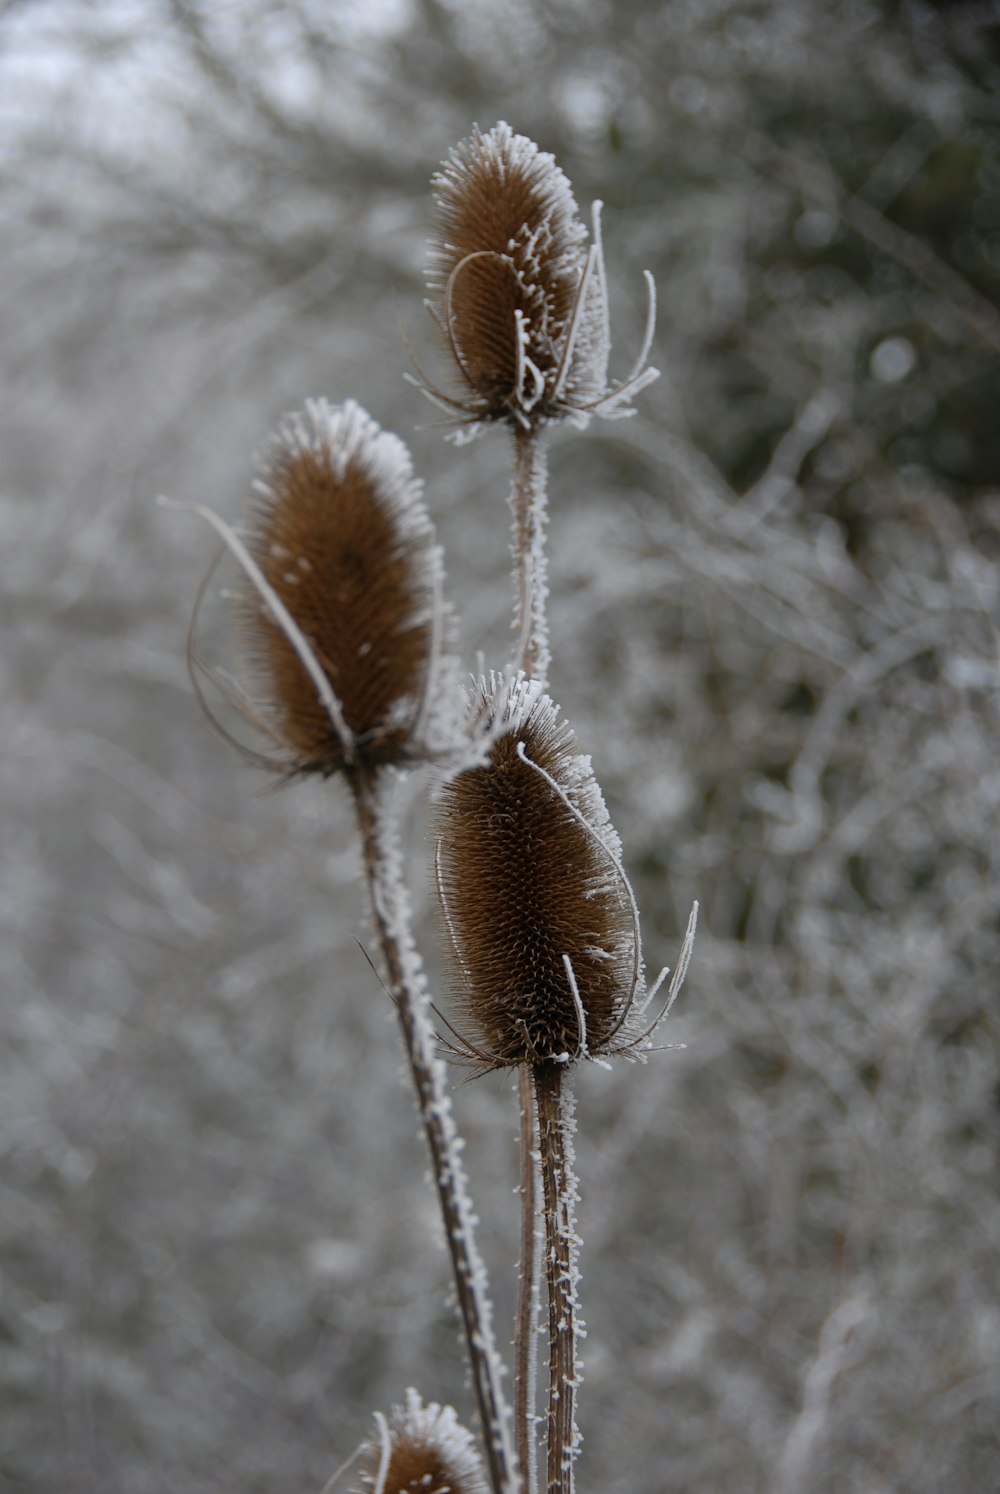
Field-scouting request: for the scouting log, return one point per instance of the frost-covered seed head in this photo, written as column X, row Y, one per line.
column 342, row 536
column 423, row 1450
column 521, row 305
column 528, row 871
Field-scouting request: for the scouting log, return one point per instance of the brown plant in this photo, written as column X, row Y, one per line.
column 349, row 642
column 342, row 539
column 540, row 917
column 519, row 296
column 423, row 1450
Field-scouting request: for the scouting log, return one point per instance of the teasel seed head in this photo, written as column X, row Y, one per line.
column 345, row 624
column 517, row 292
column 540, row 916
column 423, row 1450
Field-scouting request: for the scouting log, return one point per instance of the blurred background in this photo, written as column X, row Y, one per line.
column 774, row 615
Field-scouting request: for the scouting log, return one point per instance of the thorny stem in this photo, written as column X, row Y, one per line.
column 559, row 1191
column 528, row 504
column 526, row 1334
column 391, row 916
column 527, row 501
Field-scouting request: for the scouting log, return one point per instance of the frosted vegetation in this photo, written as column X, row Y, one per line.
column 773, row 614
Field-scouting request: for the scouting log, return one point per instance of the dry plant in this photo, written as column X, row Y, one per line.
column 352, row 671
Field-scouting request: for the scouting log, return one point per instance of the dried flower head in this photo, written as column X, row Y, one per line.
column 423, row 1450
column 341, row 600
column 540, row 915
column 519, row 296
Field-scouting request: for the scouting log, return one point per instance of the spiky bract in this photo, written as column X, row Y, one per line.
column 530, row 876
column 342, row 536
column 423, row 1450
column 507, row 275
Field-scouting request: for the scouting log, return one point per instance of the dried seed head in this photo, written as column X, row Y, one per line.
column 423, row 1450
column 519, row 296
column 540, row 918
column 342, row 538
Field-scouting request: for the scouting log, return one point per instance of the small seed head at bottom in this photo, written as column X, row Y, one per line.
column 422, row 1450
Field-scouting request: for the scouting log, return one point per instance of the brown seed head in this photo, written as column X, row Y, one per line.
column 423, row 1450
column 525, row 323
column 342, row 536
column 529, row 875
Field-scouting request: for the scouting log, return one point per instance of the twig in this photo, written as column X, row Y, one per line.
column 555, row 1124
column 528, row 503
column 526, row 1334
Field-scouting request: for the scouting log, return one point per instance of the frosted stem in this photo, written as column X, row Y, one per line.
column 528, row 503
column 526, row 1340
column 390, row 911
column 555, row 1143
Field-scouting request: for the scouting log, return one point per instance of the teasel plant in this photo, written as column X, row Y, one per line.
column 351, row 672
column 545, row 939
column 421, row 1450
column 520, row 299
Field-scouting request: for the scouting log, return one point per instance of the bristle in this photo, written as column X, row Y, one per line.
column 541, row 924
column 342, row 536
column 508, row 272
column 424, row 1450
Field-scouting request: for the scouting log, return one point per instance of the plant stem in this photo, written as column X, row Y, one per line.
column 528, row 504
column 390, row 910
column 526, row 1336
column 528, row 501
column 555, row 1126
